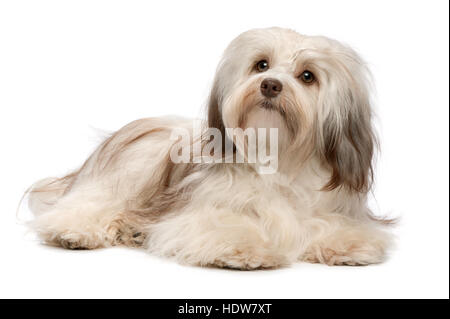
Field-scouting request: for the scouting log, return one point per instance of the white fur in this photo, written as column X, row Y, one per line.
column 228, row 215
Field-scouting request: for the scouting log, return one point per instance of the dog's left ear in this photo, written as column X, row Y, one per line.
column 346, row 137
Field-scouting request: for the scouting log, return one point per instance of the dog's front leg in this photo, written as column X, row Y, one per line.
column 342, row 241
column 210, row 237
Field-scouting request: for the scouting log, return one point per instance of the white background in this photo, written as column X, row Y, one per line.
column 67, row 67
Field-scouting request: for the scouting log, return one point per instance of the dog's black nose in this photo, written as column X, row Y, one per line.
column 271, row 87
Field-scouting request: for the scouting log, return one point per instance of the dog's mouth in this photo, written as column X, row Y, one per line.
column 268, row 105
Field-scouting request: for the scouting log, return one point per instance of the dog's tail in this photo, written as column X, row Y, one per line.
column 44, row 194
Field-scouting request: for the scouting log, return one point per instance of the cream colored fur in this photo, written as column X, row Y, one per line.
column 313, row 209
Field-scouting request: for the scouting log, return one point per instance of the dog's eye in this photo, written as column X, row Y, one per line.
column 262, row 66
column 307, row 77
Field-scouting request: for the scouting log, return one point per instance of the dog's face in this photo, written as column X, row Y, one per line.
column 313, row 89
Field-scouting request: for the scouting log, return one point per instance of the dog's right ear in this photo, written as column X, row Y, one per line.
column 214, row 109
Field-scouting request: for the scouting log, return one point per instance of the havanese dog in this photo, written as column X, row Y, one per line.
column 198, row 194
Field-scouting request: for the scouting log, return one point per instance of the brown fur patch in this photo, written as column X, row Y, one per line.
column 112, row 147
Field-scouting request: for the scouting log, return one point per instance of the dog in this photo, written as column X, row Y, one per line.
column 316, row 93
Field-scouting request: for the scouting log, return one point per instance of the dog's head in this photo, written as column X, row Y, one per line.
column 313, row 89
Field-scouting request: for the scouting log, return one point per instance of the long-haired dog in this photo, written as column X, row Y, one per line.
column 315, row 91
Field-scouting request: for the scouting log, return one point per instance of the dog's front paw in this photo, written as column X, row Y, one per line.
column 356, row 252
column 249, row 260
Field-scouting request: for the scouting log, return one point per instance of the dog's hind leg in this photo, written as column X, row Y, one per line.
column 44, row 194
column 88, row 209
column 86, row 218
